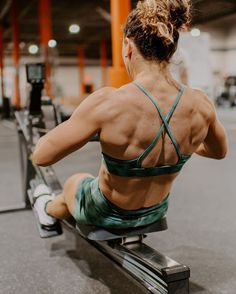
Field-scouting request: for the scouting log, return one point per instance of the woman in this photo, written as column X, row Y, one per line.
column 148, row 130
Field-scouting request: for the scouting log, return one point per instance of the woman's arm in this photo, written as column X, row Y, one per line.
column 215, row 144
column 74, row 133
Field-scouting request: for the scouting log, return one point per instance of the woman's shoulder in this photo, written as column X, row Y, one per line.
column 110, row 92
column 114, row 96
column 201, row 102
column 103, row 92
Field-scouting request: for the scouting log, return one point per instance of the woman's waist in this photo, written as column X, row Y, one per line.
column 133, row 195
column 107, row 208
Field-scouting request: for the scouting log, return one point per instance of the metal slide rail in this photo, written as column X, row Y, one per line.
column 156, row 272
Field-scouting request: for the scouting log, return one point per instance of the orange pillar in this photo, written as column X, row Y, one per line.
column 15, row 54
column 45, row 24
column 103, row 61
column 2, row 62
column 119, row 12
column 81, row 64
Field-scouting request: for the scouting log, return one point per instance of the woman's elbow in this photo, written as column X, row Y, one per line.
column 43, row 154
column 220, row 157
column 40, row 159
column 222, row 154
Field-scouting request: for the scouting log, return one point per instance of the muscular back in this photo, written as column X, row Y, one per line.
column 134, row 122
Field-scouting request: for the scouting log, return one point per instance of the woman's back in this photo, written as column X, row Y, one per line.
column 133, row 124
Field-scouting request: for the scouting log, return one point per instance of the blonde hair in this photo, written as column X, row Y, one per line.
column 155, row 24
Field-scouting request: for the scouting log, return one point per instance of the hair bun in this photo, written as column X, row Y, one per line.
column 155, row 18
column 154, row 26
column 162, row 17
column 180, row 14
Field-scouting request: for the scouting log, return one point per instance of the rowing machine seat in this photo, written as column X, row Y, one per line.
column 104, row 234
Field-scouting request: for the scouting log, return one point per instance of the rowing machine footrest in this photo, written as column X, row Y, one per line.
column 104, row 234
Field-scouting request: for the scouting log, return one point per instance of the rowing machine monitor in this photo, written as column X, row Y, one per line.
column 35, row 73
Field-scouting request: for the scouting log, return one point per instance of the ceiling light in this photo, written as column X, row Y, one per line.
column 195, row 32
column 74, row 29
column 33, row 49
column 52, row 43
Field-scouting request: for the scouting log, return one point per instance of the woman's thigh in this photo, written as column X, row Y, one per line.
column 70, row 188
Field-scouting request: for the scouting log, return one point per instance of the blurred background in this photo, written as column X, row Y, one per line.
column 74, row 39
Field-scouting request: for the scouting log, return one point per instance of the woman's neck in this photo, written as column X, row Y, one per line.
column 143, row 68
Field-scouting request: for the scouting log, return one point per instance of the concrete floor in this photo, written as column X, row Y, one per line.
column 201, row 229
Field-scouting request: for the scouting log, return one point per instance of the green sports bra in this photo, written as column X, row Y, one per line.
column 133, row 167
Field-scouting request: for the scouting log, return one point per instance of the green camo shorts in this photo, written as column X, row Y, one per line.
column 92, row 208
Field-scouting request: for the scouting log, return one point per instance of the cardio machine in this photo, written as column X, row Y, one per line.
column 157, row 273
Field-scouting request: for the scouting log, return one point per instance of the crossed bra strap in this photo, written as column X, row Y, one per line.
column 165, row 121
column 133, row 167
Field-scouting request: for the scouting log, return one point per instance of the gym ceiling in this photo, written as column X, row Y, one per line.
column 93, row 18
